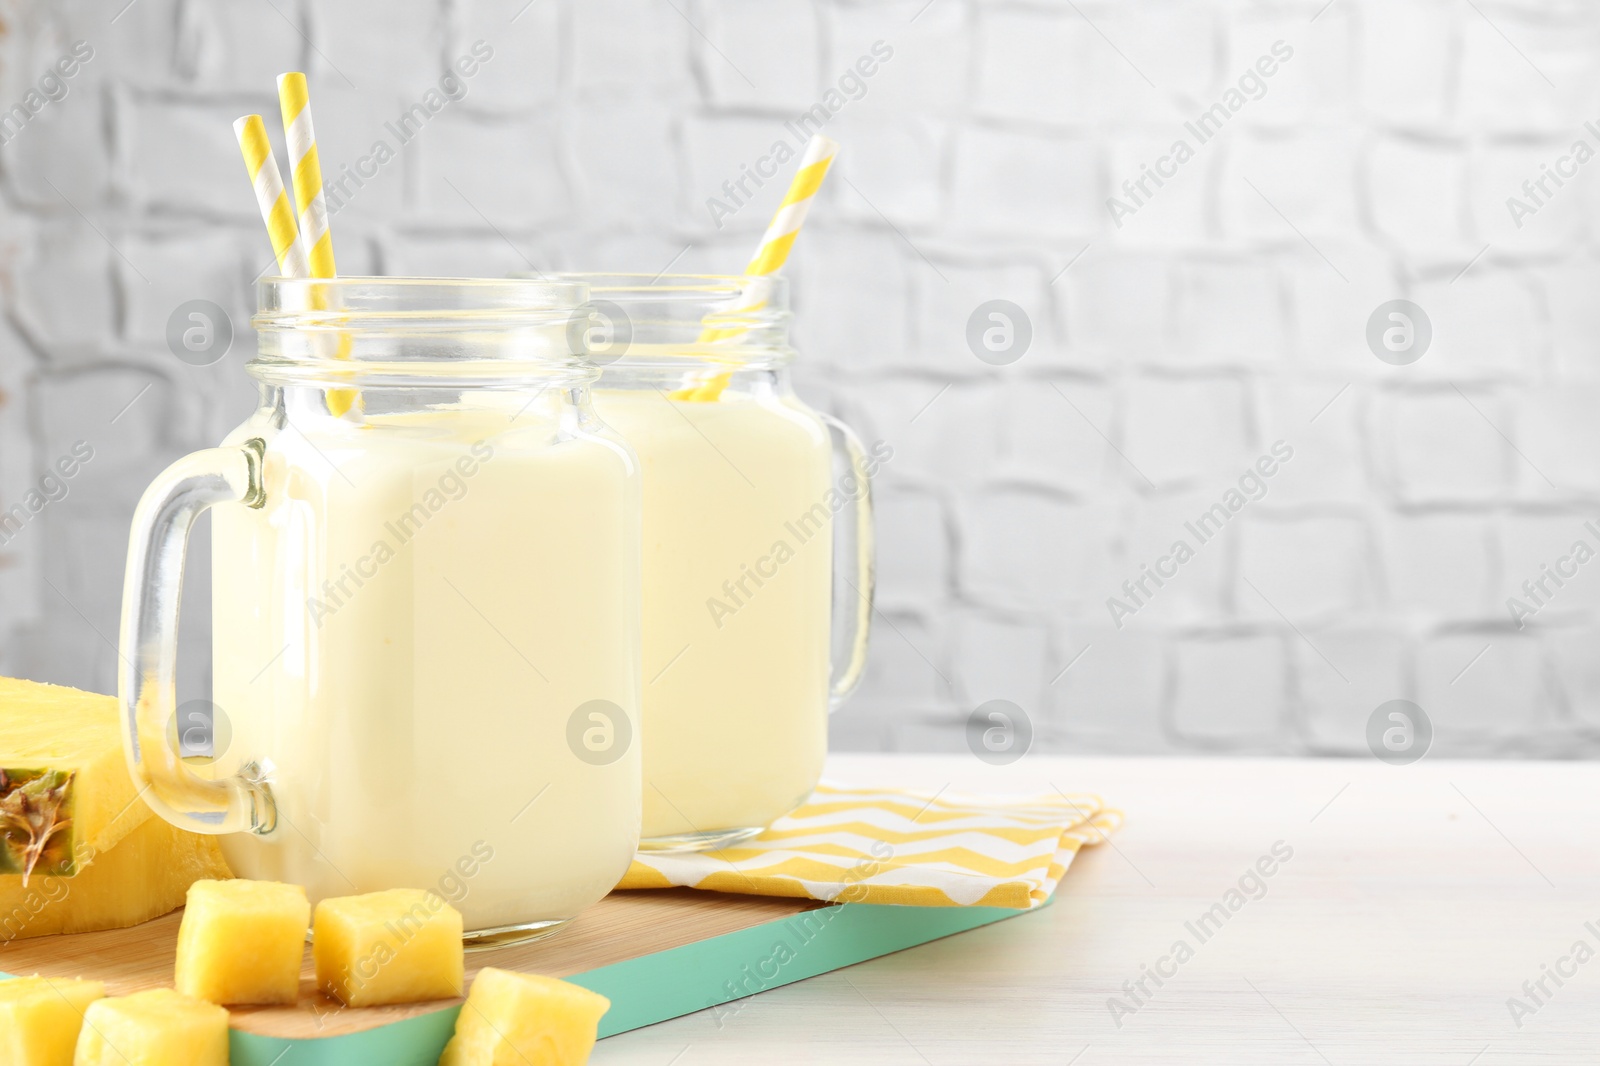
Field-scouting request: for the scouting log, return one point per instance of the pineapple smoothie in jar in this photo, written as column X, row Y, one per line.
column 757, row 549
column 425, row 603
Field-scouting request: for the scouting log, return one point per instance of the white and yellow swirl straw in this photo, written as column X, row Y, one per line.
column 271, row 197
column 306, row 170
column 791, row 214
column 773, row 251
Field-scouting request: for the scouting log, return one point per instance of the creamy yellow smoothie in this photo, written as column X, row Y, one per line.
column 405, row 632
column 737, row 594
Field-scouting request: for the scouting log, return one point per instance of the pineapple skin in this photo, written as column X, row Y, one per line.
column 399, row 946
column 516, row 1019
column 156, row 1028
column 40, row 1019
column 241, row 942
column 143, row 877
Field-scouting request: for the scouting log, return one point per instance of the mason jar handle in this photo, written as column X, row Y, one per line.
column 853, row 578
column 151, row 593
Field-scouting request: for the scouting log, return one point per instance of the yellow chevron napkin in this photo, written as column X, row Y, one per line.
column 858, row 845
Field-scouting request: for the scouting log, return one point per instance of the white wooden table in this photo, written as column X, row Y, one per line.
column 1417, row 902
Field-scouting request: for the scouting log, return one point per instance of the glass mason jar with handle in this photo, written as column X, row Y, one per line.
column 425, row 607
column 757, row 548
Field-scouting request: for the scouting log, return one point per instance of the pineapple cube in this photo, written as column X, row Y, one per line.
column 141, row 878
column 241, row 942
column 400, row 946
column 156, row 1028
column 65, row 792
column 517, row 1019
column 40, row 1019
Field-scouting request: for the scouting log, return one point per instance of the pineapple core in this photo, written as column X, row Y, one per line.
column 512, row 1019
column 143, row 877
column 157, row 1027
column 400, row 946
column 40, row 1019
column 241, row 942
column 65, row 793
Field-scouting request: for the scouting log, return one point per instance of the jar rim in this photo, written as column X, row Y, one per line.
column 774, row 286
column 374, row 331
column 731, row 321
column 361, row 296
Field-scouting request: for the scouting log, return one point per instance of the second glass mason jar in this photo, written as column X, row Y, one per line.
column 757, row 548
column 425, row 601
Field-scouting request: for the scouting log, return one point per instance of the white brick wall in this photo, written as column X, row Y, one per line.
column 1168, row 352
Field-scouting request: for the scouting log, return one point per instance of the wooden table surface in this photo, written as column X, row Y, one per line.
column 1416, row 903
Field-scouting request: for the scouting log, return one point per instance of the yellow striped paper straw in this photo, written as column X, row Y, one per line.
column 791, row 214
column 773, row 251
column 306, row 169
column 271, row 197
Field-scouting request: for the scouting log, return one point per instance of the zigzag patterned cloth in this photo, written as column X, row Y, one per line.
column 858, row 845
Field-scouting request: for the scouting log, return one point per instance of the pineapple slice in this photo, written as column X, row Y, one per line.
column 65, row 793
column 518, row 1019
column 400, row 946
column 40, row 1019
column 241, row 942
column 141, row 878
column 156, row 1028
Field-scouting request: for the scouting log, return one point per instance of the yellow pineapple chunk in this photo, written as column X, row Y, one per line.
column 400, row 946
column 520, row 1019
column 141, row 878
column 40, row 1019
column 156, row 1028
column 241, row 942
column 65, row 792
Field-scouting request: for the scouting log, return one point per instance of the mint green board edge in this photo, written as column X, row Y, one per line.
column 667, row 984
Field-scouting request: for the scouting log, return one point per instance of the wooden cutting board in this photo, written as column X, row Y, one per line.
column 657, row 954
